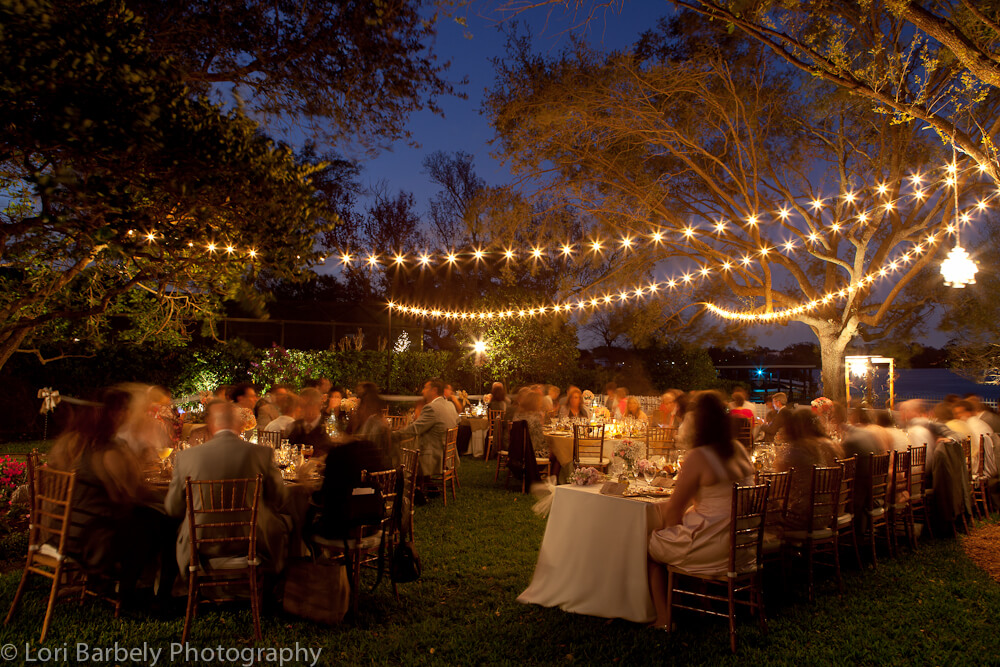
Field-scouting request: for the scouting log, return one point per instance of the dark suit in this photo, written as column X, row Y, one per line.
column 778, row 423
column 344, row 464
column 299, row 433
column 227, row 456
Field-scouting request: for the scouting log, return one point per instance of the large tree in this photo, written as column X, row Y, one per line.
column 700, row 138
column 125, row 189
column 348, row 70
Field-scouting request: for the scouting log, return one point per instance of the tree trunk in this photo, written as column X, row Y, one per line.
column 832, row 344
column 9, row 344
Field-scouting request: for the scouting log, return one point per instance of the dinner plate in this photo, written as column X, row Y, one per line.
column 659, row 491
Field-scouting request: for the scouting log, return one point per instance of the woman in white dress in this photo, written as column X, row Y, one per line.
column 694, row 524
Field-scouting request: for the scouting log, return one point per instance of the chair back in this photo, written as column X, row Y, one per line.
column 746, row 528
column 408, row 464
column 33, row 464
column 849, row 466
column 880, row 479
column 588, row 442
column 825, row 495
column 520, row 454
column 901, row 469
column 495, row 417
column 270, row 439
column 450, row 458
column 396, row 422
column 52, row 508
column 777, row 496
column 918, row 463
column 967, row 451
column 742, row 430
column 386, row 482
column 660, row 440
column 222, row 517
column 980, row 466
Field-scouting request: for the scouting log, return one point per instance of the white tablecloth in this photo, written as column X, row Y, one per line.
column 477, row 443
column 593, row 556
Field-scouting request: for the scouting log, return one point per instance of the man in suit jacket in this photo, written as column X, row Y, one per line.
column 780, row 404
column 227, row 456
column 309, row 429
column 436, row 417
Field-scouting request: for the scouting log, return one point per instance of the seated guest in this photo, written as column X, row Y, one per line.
column 309, row 428
column 344, row 465
column 371, row 426
column 508, row 415
column 611, row 396
column 860, row 441
column 621, row 402
column 984, row 412
column 739, row 408
column 414, row 413
column 693, row 530
column 633, row 410
column 332, row 404
column 113, row 531
column 530, row 409
column 808, row 446
column 450, row 395
column 553, row 392
column 574, row 407
column 966, row 412
column 436, row 417
column 498, row 397
column 900, row 442
column 267, row 408
column 670, row 412
column 227, row 456
column 781, row 413
column 286, row 404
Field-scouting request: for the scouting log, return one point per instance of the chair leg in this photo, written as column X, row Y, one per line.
column 732, row 617
column 836, row 564
column 17, row 595
column 496, row 477
column 758, row 589
column 356, row 571
column 854, row 544
column 670, row 601
column 871, row 531
column 809, row 567
column 192, row 605
column 53, row 594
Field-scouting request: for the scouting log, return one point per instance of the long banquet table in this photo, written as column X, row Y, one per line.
column 593, row 555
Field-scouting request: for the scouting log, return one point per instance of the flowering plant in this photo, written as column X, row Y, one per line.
column 248, row 420
column 12, row 475
column 588, row 395
column 585, row 476
column 349, row 404
column 487, row 399
column 645, row 464
column 628, row 451
column 601, row 412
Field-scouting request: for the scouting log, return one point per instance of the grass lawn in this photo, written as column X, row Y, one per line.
column 931, row 607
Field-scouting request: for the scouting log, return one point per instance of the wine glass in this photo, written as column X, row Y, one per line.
column 648, row 474
column 164, row 454
column 307, row 451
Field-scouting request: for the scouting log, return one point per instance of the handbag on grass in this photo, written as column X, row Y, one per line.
column 317, row 591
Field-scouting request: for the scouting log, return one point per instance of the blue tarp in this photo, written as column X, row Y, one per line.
column 935, row 383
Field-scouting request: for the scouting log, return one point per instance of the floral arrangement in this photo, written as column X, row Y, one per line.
column 12, row 475
column 822, row 405
column 642, row 465
column 628, row 451
column 586, row 476
column 487, row 399
column 349, row 404
column 601, row 412
column 248, row 420
column 588, row 395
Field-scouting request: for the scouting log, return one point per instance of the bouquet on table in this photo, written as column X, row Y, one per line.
column 642, row 465
column 588, row 396
column 601, row 413
column 586, row 476
column 247, row 420
column 349, row 404
column 628, row 451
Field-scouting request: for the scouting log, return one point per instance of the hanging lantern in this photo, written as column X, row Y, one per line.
column 958, row 268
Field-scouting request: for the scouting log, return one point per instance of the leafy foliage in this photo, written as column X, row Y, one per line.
column 135, row 185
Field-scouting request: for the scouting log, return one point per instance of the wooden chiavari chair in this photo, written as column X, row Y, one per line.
column 918, row 487
column 878, row 515
column 979, row 482
column 396, row 422
column 270, row 439
column 449, row 467
column 660, row 441
column 746, row 532
column 777, row 509
column 588, row 446
column 845, row 519
column 900, row 509
column 492, row 435
column 222, row 524
column 820, row 536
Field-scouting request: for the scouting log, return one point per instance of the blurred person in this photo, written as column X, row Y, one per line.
column 621, row 402
column 430, row 427
column 267, row 407
column 309, row 429
column 140, row 428
column 371, row 426
column 498, row 397
column 114, row 531
column 983, row 411
column 287, row 406
column 554, row 393
column 862, row 442
column 900, row 442
column 807, row 446
column 692, row 528
column 243, row 395
column 508, row 415
column 610, row 396
column 450, row 395
column 739, row 406
column 913, row 413
column 574, row 407
column 966, row 411
column 532, row 410
column 332, row 403
column 944, row 413
column 161, row 409
column 669, row 413
column 779, row 402
column 633, row 410
column 227, row 456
